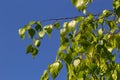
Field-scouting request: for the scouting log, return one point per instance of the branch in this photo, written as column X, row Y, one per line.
column 59, row 19
column 70, row 18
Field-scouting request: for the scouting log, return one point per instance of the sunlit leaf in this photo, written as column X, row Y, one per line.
column 63, row 32
column 116, row 6
column 77, row 37
column 84, row 11
column 45, row 76
column 37, row 43
column 41, row 34
column 55, row 68
column 106, row 12
column 100, row 32
column 63, row 46
column 76, row 62
column 114, row 75
column 21, row 32
column 27, row 27
column 48, row 29
column 79, row 4
column 32, row 22
column 71, row 25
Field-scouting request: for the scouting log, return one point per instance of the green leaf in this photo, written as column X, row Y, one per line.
column 99, row 47
column 118, row 20
column 37, row 43
column 64, row 44
column 118, row 41
column 84, row 43
column 114, row 75
column 118, row 70
column 45, row 76
column 81, row 49
column 77, row 37
column 90, row 0
column 55, row 68
column 38, row 26
column 70, row 36
column 34, row 52
column 118, row 11
column 22, row 36
column 74, row 2
column 32, row 22
column 100, row 20
column 68, row 59
column 80, row 75
column 89, row 18
column 92, row 67
column 80, row 19
column 113, row 42
column 116, row 6
column 48, row 29
column 27, row 27
column 21, row 32
column 56, row 25
column 29, row 49
column 31, row 33
column 71, row 74
column 90, row 36
column 62, row 55
column 112, row 25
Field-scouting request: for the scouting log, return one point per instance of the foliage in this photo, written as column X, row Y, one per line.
column 88, row 44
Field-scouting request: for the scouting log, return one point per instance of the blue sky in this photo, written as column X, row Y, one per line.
column 14, row 14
